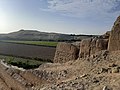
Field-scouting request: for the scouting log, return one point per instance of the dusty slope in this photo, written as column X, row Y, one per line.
column 98, row 72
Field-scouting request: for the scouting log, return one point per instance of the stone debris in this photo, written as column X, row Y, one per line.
column 84, row 75
column 105, row 88
column 115, row 70
column 16, row 75
column 50, row 76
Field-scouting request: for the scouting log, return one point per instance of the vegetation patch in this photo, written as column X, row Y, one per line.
column 43, row 43
column 22, row 62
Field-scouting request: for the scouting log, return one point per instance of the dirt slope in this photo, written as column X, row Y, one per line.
column 101, row 72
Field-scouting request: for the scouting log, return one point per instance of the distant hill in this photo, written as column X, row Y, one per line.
column 37, row 35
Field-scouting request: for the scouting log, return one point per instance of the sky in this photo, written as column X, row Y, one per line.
column 62, row 16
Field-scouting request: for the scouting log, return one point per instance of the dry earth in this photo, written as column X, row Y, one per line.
column 98, row 69
column 102, row 71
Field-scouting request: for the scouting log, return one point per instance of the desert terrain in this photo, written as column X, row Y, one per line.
column 91, row 64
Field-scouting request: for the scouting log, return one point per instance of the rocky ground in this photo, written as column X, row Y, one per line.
column 101, row 71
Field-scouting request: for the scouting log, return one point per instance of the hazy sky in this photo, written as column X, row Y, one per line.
column 66, row 16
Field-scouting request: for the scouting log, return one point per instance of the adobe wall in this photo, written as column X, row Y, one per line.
column 65, row 52
column 91, row 46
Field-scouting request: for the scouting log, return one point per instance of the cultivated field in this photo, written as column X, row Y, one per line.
column 42, row 43
column 30, row 51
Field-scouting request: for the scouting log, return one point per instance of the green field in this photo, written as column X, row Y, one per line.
column 44, row 43
column 21, row 62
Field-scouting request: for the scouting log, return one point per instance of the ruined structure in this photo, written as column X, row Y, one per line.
column 109, row 41
column 114, row 40
column 65, row 52
column 91, row 46
column 99, row 73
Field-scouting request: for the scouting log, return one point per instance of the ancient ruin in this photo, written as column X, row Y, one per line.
column 65, row 52
column 91, row 46
column 114, row 40
column 109, row 41
column 73, row 67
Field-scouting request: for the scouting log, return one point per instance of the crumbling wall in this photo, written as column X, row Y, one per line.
column 65, row 52
column 114, row 40
column 91, row 46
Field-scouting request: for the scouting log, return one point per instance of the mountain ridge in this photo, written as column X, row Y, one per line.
column 38, row 35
